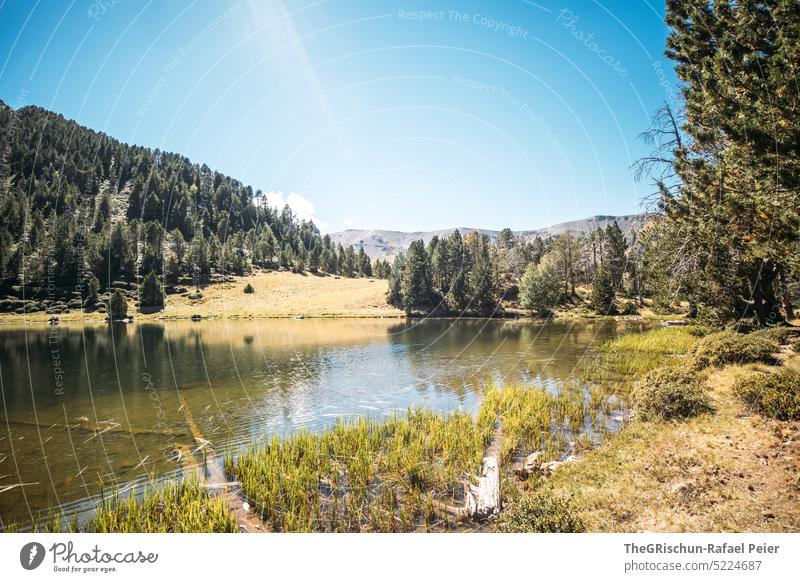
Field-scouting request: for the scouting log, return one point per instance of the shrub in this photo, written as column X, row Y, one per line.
column 796, row 346
column 778, row 334
column 540, row 513
column 249, row 288
column 775, row 395
column 729, row 347
column 671, row 392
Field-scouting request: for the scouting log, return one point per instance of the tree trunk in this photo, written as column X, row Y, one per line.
column 483, row 499
column 765, row 304
column 785, row 298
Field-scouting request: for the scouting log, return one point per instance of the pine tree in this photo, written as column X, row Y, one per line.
column 118, row 305
column 603, row 291
column 415, row 285
column 614, row 254
column 151, row 296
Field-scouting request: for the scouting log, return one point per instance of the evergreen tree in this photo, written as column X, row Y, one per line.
column 603, row 291
column 118, row 305
column 151, row 296
column 614, row 254
column 415, row 285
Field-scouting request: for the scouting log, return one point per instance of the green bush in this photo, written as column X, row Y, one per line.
column 671, row 392
column 730, row 347
column 249, row 288
column 540, row 513
column 776, row 395
column 796, row 346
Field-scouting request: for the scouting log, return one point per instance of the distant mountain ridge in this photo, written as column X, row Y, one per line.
column 385, row 244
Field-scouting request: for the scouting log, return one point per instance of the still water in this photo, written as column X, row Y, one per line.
column 120, row 404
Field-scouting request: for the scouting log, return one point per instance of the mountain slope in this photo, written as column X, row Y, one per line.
column 382, row 244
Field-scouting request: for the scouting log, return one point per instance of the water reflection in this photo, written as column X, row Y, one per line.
column 117, row 403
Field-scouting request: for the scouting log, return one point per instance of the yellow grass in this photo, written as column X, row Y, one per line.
column 277, row 294
column 729, row 471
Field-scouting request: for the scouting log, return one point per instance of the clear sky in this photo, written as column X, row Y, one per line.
column 409, row 115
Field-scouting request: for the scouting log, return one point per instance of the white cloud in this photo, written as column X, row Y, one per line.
column 302, row 207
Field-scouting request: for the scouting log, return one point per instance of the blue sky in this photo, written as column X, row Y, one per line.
column 404, row 115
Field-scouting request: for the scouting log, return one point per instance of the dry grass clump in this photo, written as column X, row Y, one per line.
column 542, row 512
column 671, row 392
column 776, row 395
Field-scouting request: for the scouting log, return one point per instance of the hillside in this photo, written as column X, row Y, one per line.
column 385, row 244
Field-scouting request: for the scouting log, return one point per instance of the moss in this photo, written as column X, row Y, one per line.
column 541, row 513
column 730, row 347
column 671, row 392
column 776, row 395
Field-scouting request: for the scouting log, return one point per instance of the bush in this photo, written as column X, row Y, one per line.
column 730, row 347
column 775, row 395
column 671, row 392
column 249, row 288
column 778, row 334
column 540, row 513
column 796, row 346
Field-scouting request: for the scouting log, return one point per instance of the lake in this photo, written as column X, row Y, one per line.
column 121, row 404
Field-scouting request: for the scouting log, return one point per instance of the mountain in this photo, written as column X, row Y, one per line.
column 382, row 244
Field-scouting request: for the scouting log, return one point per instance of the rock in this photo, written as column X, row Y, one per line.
column 532, row 462
column 546, row 469
column 246, row 506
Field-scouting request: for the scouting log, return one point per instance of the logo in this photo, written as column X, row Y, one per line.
column 31, row 555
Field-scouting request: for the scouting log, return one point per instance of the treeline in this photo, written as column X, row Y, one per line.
column 80, row 210
column 471, row 274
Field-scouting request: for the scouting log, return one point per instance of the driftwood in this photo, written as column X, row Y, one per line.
column 483, row 499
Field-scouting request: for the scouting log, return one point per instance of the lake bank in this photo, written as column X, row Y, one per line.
column 286, row 295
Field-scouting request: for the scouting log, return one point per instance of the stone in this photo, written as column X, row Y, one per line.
column 532, row 462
